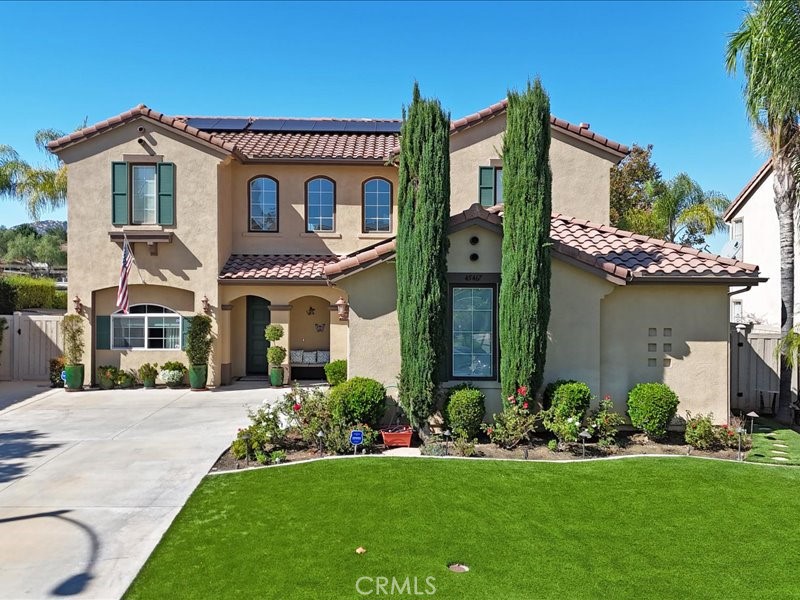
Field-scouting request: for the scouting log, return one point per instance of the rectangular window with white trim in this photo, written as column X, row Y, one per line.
column 146, row 327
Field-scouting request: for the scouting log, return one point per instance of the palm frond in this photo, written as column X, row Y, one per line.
column 789, row 346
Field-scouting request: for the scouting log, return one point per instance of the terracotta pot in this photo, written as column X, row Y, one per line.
column 397, row 437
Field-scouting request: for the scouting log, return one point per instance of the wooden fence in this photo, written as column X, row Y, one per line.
column 28, row 345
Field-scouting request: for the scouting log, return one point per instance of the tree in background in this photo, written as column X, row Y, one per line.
column 767, row 48
column 527, row 198
column 423, row 200
column 628, row 181
column 39, row 187
column 681, row 211
column 25, row 244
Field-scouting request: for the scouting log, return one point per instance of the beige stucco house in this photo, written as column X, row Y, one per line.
column 292, row 221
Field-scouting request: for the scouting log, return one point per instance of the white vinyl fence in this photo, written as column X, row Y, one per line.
column 28, row 345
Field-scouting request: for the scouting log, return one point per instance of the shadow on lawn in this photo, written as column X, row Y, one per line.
column 15, row 448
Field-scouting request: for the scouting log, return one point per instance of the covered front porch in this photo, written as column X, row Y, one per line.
column 314, row 333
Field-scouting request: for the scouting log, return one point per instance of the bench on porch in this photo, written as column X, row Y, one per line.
column 308, row 359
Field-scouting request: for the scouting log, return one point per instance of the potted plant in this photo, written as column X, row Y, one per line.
column 275, row 354
column 125, row 379
column 173, row 373
column 106, row 376
column 148, row 373
column 72, row 330
column 198, row 349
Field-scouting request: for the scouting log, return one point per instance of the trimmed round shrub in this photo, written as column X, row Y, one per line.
column 464, row 412
column 550, row 389
column 651, row 406
column 336, row 372
column 358, row 400
column 565, row 416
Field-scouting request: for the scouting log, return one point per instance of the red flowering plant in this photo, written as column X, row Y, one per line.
column 516, row 423
column 305, row 413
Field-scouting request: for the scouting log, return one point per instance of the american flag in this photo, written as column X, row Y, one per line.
column 124, row 271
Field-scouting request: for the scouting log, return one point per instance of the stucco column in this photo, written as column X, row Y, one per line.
column 339, row 331
column 279, row 314
column 225, row 343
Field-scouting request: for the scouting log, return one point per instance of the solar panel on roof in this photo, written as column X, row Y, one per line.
column 216, row 124
column 267, row 125
column 298, row 126
column 360, row 127
column 388, row 127
column 329, row 126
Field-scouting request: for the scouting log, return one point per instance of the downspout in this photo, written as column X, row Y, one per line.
column 742, row 291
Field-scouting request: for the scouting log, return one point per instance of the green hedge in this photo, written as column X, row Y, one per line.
column 8, row 298
column 465, row 410
column 32, row 292
column 651, row 406
column 60, row 300
column 358, row 400
column 336, row 372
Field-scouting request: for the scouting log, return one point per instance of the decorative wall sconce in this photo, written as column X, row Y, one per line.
column 76, row 301
column 342, row 309
column 206, row 305
column 311, row 311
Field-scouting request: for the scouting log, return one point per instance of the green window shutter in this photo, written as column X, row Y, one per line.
column 486, row 186
column 119, row 193
column 187, row 321
column 102, row 333
column 166, row 193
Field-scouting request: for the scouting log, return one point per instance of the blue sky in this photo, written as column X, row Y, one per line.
column 644, row 72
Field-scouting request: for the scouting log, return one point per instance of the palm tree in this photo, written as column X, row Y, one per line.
column 682, row 212
column 767, row 47
column 38, row 187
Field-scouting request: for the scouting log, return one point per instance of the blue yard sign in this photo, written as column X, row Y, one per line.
column 356, row 437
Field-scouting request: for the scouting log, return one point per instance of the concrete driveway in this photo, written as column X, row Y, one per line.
column 90, row 481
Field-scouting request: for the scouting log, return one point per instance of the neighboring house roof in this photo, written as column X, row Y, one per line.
column 291, row 268
column 620, row 256
column 747, row 191
column 363, row 140
column 580, row 130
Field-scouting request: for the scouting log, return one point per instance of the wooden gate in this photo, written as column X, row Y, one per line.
column 753, row 366
column 29, row 343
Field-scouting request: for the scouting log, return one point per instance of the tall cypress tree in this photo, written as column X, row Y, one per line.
column 423, row 200
column 525, row 287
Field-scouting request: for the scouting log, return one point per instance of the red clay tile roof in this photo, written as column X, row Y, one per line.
column 140, row 111
column 748, row 190
column 622, row 256
column 500, row 107
column 324, row 146
column 276, row 267
column 255, row 145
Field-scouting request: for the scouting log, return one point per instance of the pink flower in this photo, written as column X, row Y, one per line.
column 296, row 406
column 512, row 400
column 522, row 390
column 525, row 405
column 489, row 430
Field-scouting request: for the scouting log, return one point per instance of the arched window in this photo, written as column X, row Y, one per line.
column 320, row 204
column 377, row 206
column 146, row 326
column 263, row 204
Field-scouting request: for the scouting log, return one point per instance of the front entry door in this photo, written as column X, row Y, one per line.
column 257, row 320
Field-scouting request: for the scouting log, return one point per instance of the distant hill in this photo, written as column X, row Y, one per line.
column 43, row 227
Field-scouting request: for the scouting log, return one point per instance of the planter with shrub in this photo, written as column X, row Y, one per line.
column 148, row 373
column 106, row 377
column 173, row 373
column 199, row 340
column 336, row 372
column 651, row 407
column 72, row 331
column 275, row 354
column 125, row 379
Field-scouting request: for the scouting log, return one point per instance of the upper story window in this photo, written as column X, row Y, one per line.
column 490, row 185
column 263, row 204
column 737, row 237
column 142, row 193
column 377, row 206
column 147, row 326
column 320, row 204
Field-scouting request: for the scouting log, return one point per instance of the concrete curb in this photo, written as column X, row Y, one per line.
column 521, row 460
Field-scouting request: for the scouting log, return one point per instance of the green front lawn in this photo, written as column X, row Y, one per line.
column 771, row 440
column 637, row 528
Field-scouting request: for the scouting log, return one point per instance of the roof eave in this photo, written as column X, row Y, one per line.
column 755, row 279
column 271, row 281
